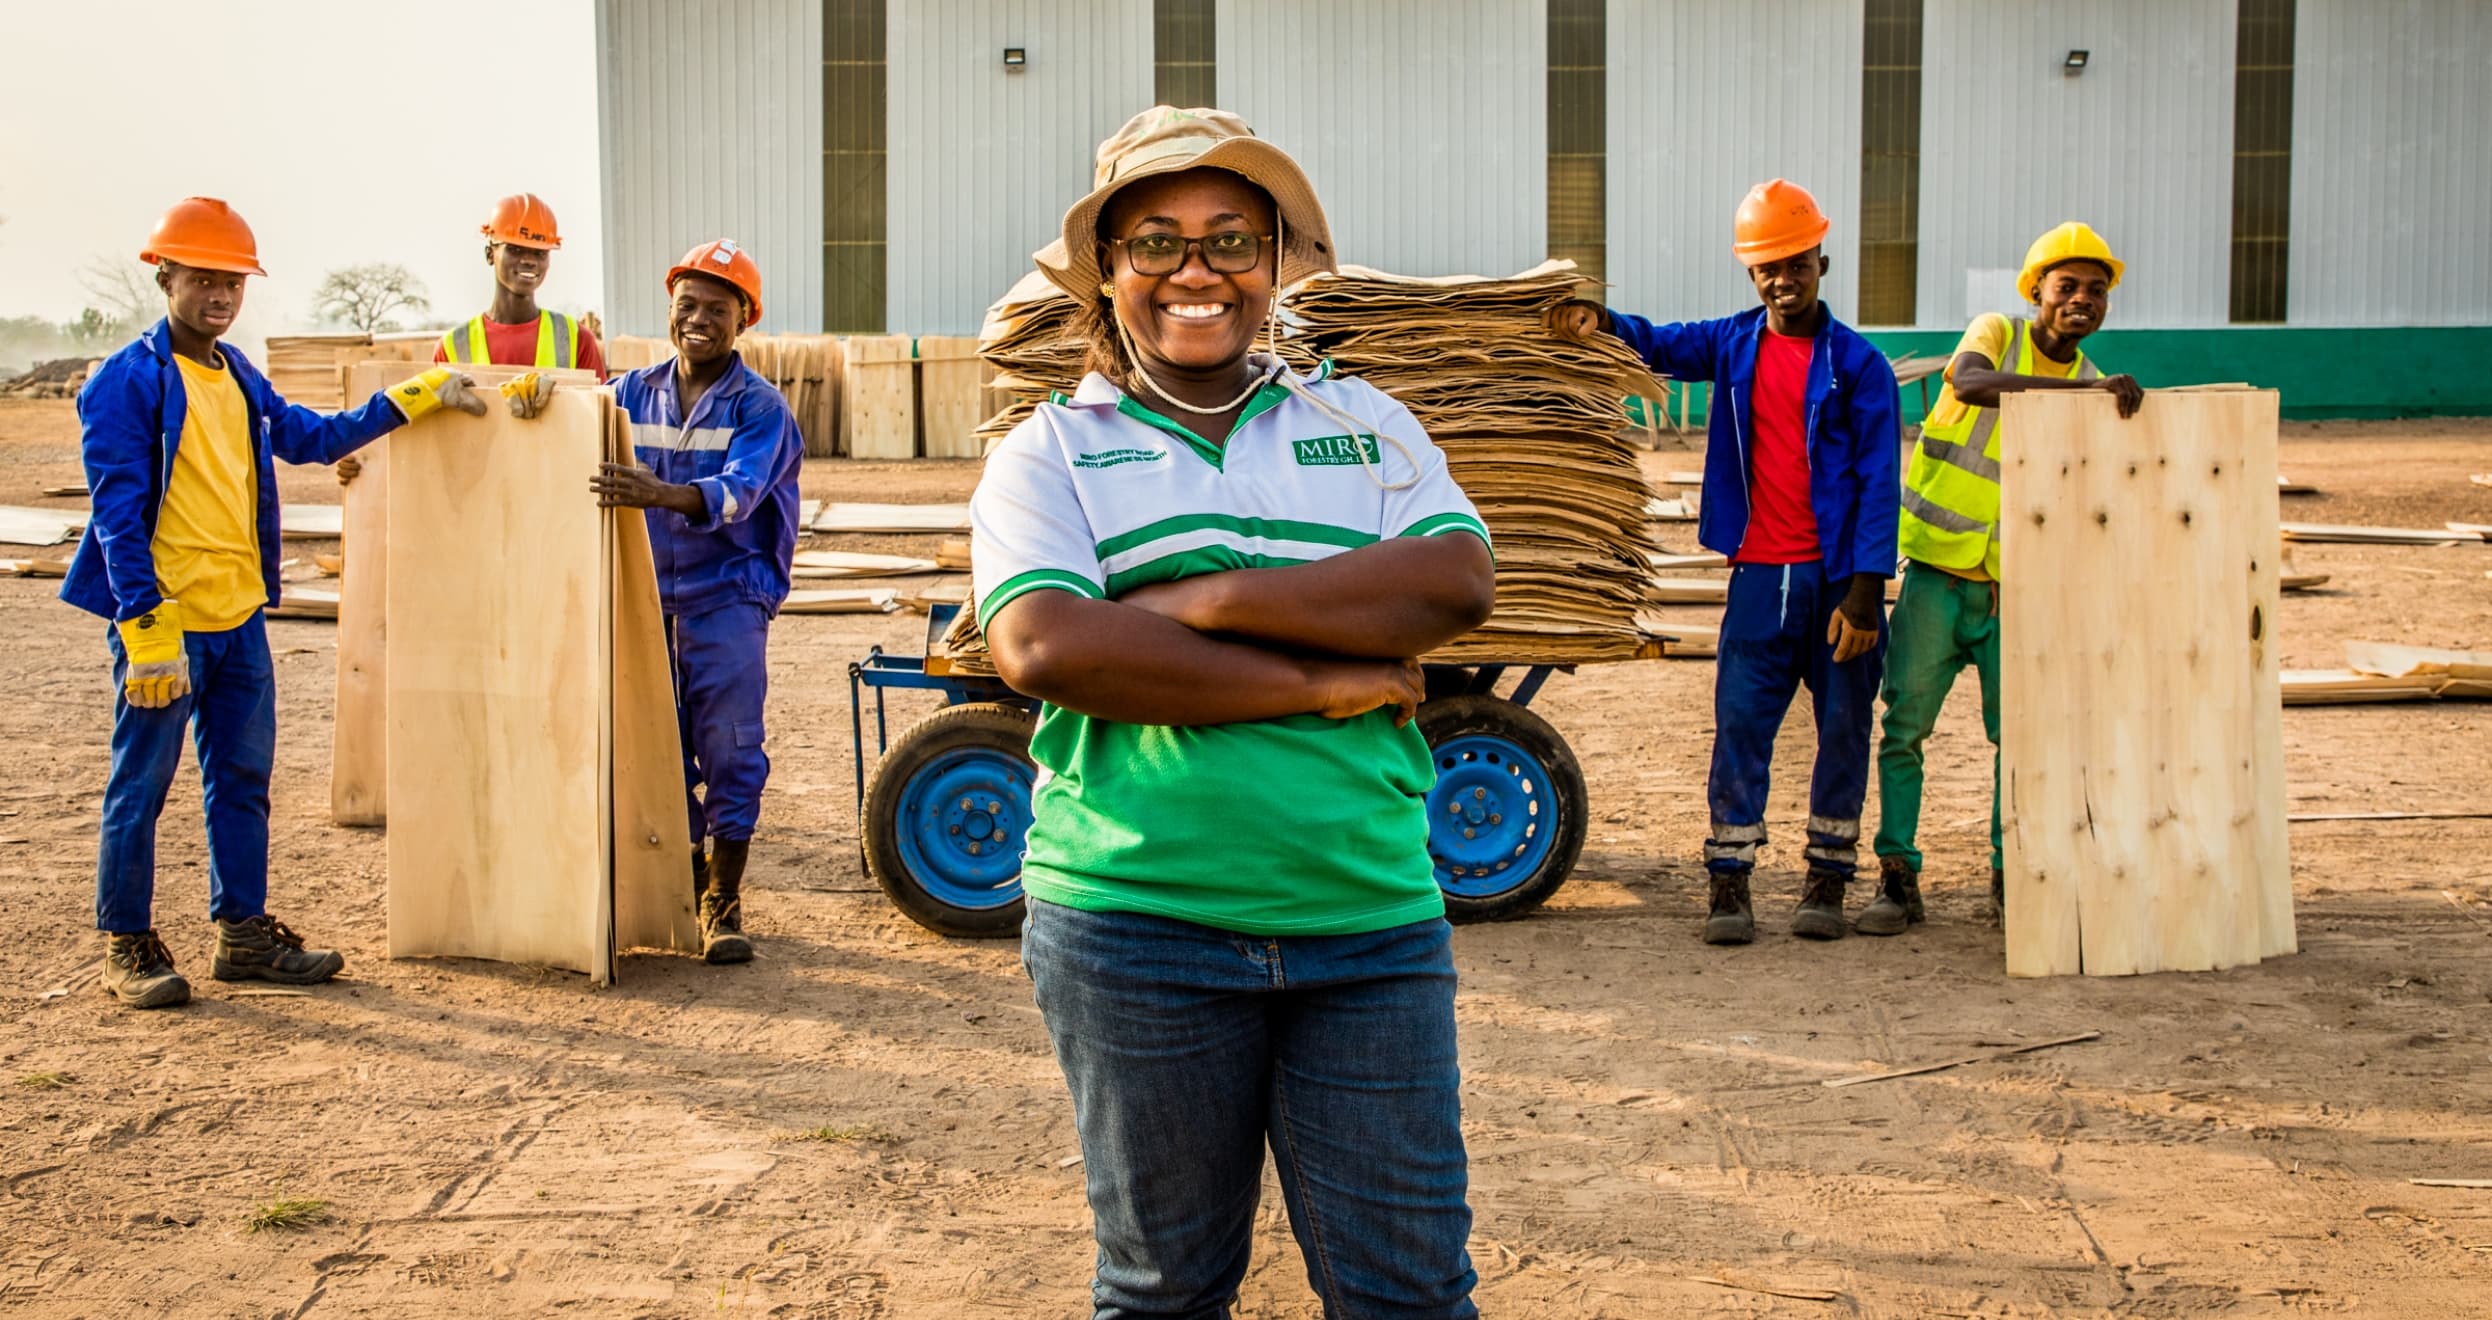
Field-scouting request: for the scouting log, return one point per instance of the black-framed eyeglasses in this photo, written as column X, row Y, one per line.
column 1229, row 252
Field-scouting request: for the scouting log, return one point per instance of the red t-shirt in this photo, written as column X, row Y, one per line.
column 1782, row 523
column 515, row 346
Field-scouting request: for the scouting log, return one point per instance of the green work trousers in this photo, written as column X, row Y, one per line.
column 1940, row 624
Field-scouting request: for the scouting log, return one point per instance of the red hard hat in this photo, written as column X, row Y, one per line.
column 204, row 232
column 721, row 259
column 1777, row 220
column 524, row 219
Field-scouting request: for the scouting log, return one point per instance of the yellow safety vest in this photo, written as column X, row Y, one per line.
column 1951, row 492
column 555, row 339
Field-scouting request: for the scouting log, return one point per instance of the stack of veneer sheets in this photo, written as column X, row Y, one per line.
column 1028, row 340
column 1531, row 425
column 504, row 701
column 805, row 368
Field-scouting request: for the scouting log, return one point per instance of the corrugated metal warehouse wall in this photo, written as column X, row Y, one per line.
column 1693, row 125
column 1423, row 123
column 983, row 160
column 710, row 126
column 2138, row 146
column 2392, row 176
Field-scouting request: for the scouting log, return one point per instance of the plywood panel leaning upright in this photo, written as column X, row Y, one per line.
column 878, row 397
column 949, row 373
column 2142, row 732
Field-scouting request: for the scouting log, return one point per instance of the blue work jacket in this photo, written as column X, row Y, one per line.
column 130, row 426
column 1853, row 435
column 741, row 450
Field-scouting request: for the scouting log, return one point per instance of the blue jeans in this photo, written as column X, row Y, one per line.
column 721, row 659
column 232, row 711
column 1773, row 640
column 1188, row 1049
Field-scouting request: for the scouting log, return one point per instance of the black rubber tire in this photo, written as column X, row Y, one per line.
column 982, row 724
column 1453, row 717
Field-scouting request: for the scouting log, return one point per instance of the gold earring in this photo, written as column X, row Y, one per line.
column 1107, row 288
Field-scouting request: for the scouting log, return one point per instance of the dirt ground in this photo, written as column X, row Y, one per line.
column 867, row 1121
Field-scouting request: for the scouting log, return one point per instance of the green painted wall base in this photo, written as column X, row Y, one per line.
column 2397, row 371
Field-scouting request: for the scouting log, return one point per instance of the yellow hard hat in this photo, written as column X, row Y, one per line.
column 2071, row 240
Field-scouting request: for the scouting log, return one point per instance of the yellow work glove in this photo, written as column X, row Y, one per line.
column 158, row 668
column 528, row 394
column 439, row 388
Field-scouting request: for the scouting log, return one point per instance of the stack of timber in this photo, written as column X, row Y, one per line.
column 806, row 369
column 312, row 369
column 1028, row 343
column 1532, row 427
column 2142, row 742
column 533, row 773
column 950, row 384
column 60, row 378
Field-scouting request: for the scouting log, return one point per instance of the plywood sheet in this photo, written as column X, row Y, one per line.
column 2142, row 745
column 23, row 526
column 359, row 735
column 2351, row 535
column 2415, row 661
column 864, row 600
column 848, row 563
column 652, row 838
column 310, row 521
column 837, row 517
column 305, row 603
column 948, row 377
column 878, row 397
column 495, row 689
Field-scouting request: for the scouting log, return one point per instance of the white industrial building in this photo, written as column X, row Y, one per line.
column 893, row 163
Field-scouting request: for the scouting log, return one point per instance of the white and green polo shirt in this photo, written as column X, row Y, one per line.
column 1298, row 826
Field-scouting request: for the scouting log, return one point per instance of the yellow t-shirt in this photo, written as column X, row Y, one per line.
column 1988, row 335
column 207, row 535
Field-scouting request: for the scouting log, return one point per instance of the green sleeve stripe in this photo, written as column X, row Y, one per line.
column 1190, row 563
column 1441, row 523
column 1270, row 529
column 1037, row 579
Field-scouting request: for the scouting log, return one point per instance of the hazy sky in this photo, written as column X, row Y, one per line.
column 344, row 132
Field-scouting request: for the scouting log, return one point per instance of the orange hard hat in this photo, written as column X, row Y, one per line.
column 524, row 219
column 721, row 259
column 1777, row 220
column 204, row 232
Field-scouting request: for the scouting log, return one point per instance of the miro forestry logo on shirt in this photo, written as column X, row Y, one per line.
column 1335, row 450
column 1108, row 458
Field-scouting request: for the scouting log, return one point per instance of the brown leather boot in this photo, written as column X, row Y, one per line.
column 1733, row 918
column 262, row 948
column 1898, row 904
column 722, row 905
column 138, row 971
column 1820, row 914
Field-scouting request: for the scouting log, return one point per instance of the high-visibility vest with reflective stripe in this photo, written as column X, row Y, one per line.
column 1951, row 492
column 555, row 341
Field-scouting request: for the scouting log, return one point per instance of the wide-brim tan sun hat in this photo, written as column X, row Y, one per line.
column 1164, row 140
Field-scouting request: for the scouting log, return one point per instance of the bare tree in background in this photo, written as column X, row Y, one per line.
column 126, row 298
column 365, row 296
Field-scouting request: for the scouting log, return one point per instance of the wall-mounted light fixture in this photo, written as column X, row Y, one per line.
column 2073, row 65
column 1015, row 57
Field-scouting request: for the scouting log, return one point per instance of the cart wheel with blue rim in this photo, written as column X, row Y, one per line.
column 1507, row 816
column 946, row 816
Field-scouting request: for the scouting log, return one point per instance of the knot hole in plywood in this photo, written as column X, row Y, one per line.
column 2102, row 517
column 2258, row 623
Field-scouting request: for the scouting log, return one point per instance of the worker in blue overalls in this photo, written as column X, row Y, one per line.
column 1800, row 493
column 718, row 452
column 180, row 433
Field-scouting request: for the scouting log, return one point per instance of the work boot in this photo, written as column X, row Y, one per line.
column 1998, row 896
column 263, row 948
column 139, row 972
column 1898, row 903
column 722, row 905
column 1820, row 914
column 1733, row 920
